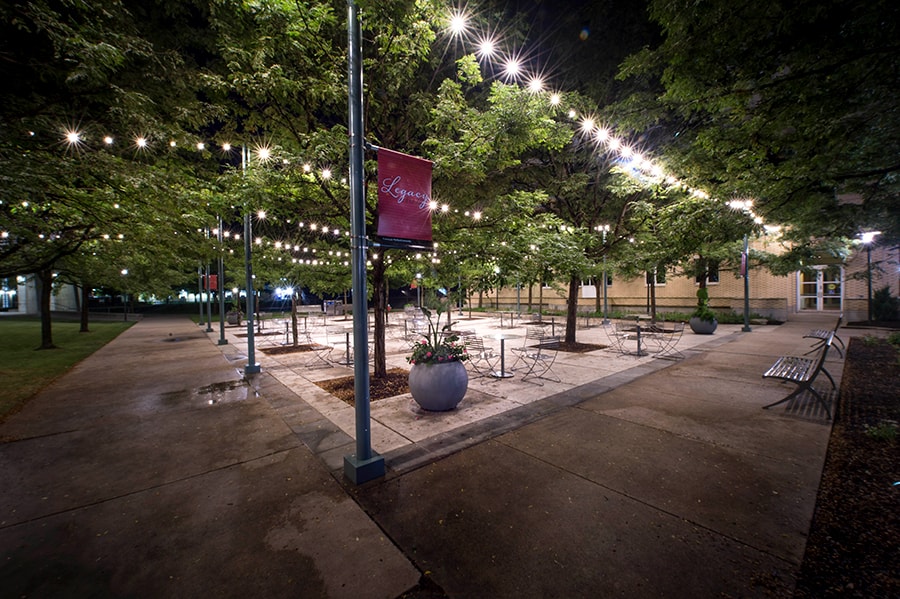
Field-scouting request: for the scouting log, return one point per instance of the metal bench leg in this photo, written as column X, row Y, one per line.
column 821, row 400
column 828, row 374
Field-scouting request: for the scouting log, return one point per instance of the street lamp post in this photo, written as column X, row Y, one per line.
column 745, row 268
column 604, row 229
column 419, row 289
column 220, row 287
column 252, row 367
column 365, row 464
column 124, row 272
column 209, row 328
column 200, row 292
column 867, row 239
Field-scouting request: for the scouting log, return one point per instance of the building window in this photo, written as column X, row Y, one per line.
column 657, row 277
column 712, row 274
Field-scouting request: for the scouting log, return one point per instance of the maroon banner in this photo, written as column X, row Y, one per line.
column 404, row 198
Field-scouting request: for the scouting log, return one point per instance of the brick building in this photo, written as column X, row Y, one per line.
column 830, row 286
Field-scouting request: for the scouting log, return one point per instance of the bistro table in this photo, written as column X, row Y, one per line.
column 626, row 332
column 503, row 373
column 346, row 330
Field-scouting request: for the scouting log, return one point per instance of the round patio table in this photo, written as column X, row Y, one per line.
column 503, row 373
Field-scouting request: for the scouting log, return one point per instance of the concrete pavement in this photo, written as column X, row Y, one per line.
column 152, row 470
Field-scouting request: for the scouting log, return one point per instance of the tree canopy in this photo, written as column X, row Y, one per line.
column 793, row 104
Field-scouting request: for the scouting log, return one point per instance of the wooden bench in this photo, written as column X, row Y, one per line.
column 822, row 334
column 803, row 372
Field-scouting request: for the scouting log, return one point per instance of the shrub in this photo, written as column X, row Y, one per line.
column 884, row 305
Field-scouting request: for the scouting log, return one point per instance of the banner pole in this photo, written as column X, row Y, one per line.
column 365, row 465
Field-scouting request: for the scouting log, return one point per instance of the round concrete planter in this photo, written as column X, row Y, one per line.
column 438, row 387
column 703, row 327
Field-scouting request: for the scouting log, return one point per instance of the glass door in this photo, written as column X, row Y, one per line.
column 832, row 288
column 821, row 289
column 809, row 290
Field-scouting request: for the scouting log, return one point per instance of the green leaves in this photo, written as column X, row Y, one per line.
column 788, row 103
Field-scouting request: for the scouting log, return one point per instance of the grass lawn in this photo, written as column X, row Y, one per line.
column 24, row 370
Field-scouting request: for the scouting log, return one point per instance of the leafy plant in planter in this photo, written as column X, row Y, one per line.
column 703, row 319
column 437, row 348
column 438, row 379
column 234, row 316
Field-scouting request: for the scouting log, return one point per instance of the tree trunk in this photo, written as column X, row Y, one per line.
column 379, row 293
column 45, row 282
column 598, row 300
column 572, row 308
column 540, row 297
column 85, row 299
column 530, row 296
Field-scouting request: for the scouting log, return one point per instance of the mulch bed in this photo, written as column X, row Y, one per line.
column 577, row 347
column 853, row 549
column 395, row 383
column 289, row 349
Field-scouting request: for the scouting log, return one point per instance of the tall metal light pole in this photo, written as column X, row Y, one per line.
column 220, row 287
column 745, row 267
column 364, row 465
column 867, row 239
column 200, row 292
column 252, row 367
column 209, row 328
column 604, row 229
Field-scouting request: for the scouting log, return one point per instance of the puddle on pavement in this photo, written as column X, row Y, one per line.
column 214, row 394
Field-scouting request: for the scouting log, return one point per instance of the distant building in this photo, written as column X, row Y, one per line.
column 831, row 286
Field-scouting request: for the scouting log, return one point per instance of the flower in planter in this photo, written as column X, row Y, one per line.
column 437, row 346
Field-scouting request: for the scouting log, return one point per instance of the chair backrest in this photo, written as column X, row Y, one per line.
column 535, row 332
column 473, row 343
column 823, row 353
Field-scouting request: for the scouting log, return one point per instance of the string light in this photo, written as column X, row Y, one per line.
column 486, row 47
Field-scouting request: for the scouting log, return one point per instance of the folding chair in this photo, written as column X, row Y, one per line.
column 624, row 333
column 482, row 359
column 666, row 338
column 539, row 352
column 322, row 353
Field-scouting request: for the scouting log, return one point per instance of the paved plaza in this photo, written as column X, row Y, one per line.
column 152, row 469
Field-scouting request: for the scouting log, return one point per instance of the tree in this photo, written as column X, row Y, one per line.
column 792, row 104
column 77, row 72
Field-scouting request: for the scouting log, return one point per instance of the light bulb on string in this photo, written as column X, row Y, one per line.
column 458, row 23
column 512, row 68
column 535, row 85
column 487, row 48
